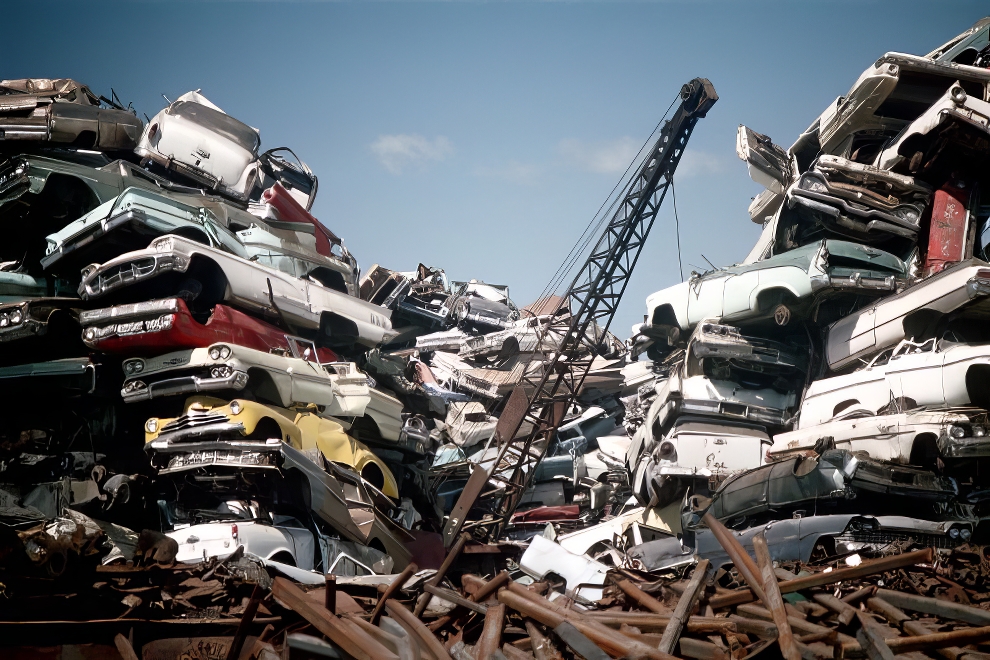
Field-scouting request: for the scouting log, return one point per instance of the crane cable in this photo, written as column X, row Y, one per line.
column 677, row 226
column 591, row 230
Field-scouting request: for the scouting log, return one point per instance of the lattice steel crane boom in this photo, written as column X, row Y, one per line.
column 591, row 301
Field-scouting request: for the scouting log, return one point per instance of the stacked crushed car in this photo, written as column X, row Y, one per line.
column 185, row 350
column 840, row 371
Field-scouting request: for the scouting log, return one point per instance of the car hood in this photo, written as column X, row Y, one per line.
column 848, row 253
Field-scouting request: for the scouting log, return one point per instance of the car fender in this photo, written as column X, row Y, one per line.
column 676, row 297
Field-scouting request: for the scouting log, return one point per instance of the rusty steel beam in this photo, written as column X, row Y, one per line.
column 774, row 601
column 871, row 567
column 685, row 605
column 393, row 586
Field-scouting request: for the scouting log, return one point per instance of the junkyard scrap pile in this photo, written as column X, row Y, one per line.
column 221, row 440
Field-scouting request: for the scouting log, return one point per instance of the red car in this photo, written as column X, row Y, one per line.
column 159, row 326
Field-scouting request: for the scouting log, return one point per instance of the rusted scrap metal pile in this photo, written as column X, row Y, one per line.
column 221, row 440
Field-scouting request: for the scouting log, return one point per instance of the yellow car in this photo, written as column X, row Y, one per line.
column 214, row 432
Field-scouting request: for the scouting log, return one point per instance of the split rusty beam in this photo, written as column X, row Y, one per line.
column 393, row 586
column 245, row 625
column 491, row 633
column 455, row 598
column 552, row 615
column 411, row 622
column 448, row 561
column 685, row 605
column 481, row 594
column 859, row 595
column 865, row 569
column 339, row 632
column 542, row 647
column 658, row 622
column 845, row 611
column 641, row 597
column 935, row 606
column 870, row 638
column 929, row 642
column 773, row 599
column 900, row 619
column 737, row 553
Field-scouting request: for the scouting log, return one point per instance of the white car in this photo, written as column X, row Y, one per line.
column 130, row 221
column 272, row 537
column 939, row 373
column 954, row 106
column 338, row 271
column 908, row 314
column 196, row 139
column 172, row 262
column 909, row 438
column 894, row 91
column 287, row 541
column 778, row 287
column 697, row 450
column 338, row 388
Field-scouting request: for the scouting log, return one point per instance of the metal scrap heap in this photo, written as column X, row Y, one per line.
column 221, row 439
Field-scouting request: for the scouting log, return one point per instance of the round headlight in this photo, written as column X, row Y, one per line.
column 235, row 407
column 214, row 353
column 129, row 367
column 965, row 534
column 224, row 352
column 138, row 367
column 957, row 432
column 89, row 333
column 954, row 533
column 16, row 316
column 4, row 319
column 958, row 95
column 151, row 425
column 979, row 431
column 667, row 451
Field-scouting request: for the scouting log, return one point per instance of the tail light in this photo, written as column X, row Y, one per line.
column 233, row 531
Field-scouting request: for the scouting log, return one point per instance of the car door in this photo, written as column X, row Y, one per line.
column 914, row 375
column 310, row 381
column 878, row 436
column 737, row 296
column 303, row 544
column 768, row 164
column 854, row 335
column 705, row 296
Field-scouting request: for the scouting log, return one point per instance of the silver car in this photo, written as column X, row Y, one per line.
column 172, row 263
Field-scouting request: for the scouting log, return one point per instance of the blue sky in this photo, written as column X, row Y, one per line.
column 482, row 137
